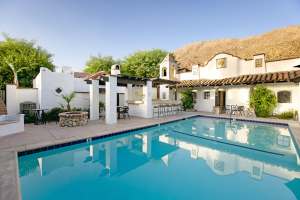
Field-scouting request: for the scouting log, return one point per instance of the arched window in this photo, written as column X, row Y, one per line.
column 284, row 97
column 173, row 72
column 164, row 72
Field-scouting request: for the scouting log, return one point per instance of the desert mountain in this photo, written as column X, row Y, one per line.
column 283, row 43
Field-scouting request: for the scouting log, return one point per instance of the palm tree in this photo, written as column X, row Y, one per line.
column 68, row 99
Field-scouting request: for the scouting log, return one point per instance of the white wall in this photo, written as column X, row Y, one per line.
column 283, row 65
column 205, row 104
column 166, row 90
column 49, row 82
column 12, row 128
column 211, row 72
column 80, row 85
column 293, row 88
column 29, row 94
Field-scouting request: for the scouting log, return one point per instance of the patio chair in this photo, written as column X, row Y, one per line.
column 240, row 109
column 124, row 111
column 227, row 110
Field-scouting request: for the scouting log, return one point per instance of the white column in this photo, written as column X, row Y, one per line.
column 11, row 99
column 147, row 91
column 111, row 157
column 94, row 100
column 94, row 152
column 111, row 100
column 147, row 143
column 128, row 93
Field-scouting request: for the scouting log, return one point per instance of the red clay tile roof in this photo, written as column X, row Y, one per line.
column 95, row 75
column 80, row 74
column 243, row 79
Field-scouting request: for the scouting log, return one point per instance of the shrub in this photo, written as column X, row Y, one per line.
column 101, row 106
column 186, row 98
column 76, row 109
column 286, row 114
column 263, row 100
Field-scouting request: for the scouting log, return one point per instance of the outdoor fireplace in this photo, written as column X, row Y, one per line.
column 72, row 119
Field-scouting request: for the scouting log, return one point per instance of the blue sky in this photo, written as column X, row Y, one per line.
column 73, row 30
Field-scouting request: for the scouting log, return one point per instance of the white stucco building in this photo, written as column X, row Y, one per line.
column 224, row 80
column 232, row 79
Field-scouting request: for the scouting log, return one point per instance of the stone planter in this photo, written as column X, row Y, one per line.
column 73, row 119
column 250, row 112
column 216, row 110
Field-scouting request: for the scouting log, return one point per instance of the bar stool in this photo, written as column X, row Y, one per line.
column 167, row 108
column 158, row 109
column 174, row 108
column 179, row 107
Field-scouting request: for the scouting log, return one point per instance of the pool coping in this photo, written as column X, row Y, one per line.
column 43, row 146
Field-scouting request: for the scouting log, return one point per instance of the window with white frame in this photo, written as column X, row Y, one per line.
column 284, row 97
column 206, row 95
column 283, row 141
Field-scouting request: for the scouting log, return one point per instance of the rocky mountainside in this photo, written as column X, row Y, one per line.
column 283, row 43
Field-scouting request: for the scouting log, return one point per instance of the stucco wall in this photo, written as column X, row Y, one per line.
column 29, row 94
column 49, row 82
column 211, row 72
column 293, row 88
column 80, row 85
column 284, row 65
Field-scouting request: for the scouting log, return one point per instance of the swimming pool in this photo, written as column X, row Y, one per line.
column 198, row 158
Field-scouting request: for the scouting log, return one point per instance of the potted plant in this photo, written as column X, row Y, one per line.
column 68, row 98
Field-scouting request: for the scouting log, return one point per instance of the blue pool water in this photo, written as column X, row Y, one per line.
column 199, row 158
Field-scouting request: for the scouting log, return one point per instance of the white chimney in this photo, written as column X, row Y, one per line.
column 66, row 69
column 115, row 69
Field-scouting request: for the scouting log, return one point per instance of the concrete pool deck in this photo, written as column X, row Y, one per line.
column 45, row 135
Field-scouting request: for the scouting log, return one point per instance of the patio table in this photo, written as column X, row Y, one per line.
column 37, row 115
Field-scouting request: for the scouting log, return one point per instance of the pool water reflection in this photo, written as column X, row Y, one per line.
column 199, row 158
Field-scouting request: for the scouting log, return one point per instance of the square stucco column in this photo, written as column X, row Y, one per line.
column 128, row 93
column 147, row 91
column 94, row 100
column 111, row 100
column 11, row 99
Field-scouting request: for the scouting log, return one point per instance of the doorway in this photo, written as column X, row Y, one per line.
column 222, row 103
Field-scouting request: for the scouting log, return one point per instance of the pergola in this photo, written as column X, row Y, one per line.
column 111, row 83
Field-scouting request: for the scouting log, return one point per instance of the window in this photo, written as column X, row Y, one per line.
column 206, row 95
column 164, row 72
column 173, row 72
column 283, row 141
column 258, row 62
column 256, row 171
column 58, row 91
column 221, row 63
column 284, row 97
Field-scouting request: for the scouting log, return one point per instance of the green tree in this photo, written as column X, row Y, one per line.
column 263, row 100
column 68, row 98
column 186, row 98
column 100, row 63
column 143, row 63
column 23, row 59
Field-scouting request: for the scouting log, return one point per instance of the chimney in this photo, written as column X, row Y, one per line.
column 66, row 69
column 115, row 70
